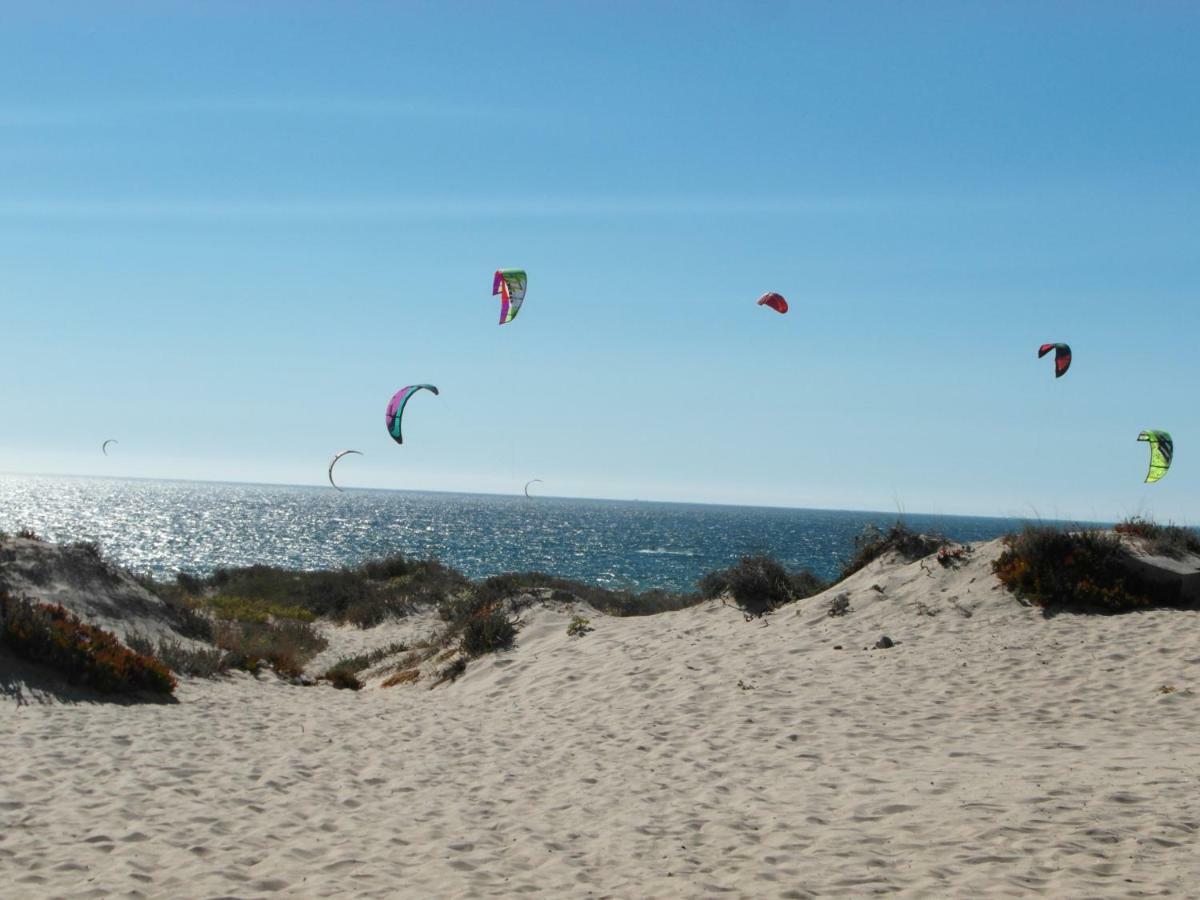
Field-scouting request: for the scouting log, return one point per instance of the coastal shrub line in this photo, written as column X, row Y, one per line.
column 1085, row 570
column 50, row 635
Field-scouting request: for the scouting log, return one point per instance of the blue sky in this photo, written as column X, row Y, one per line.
column 229, row 231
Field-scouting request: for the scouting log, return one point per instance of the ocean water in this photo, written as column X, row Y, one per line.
column 165, row 527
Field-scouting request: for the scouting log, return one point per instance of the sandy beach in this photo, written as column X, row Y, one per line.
column 991, row 752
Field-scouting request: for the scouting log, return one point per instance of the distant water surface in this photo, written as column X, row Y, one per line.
column 164, row 527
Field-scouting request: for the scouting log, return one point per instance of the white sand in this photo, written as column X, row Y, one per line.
column 991, row 752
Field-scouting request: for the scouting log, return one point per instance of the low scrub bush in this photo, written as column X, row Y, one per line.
column 86, row 655
column 488, row 631
column 566, row 590
column 246, row 609
column 363, row 596
column 759, row 584
column 451, row 672
column 360, row 662
column 1173, row 541
column 344, row 679
column 874, row 543
column 285, row 646
column 195, row 662
column 579, row 626
column 1083, row 570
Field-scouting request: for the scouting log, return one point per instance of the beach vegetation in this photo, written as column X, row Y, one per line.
column 228, row 608
column 840, row 606
column 344, row 679
column 86, row 655
column 1083, row 570
column 613, row 602
column 900, row 539
column 365, row 596
column 759, row 584
column 579, row 626
column 451, row 672
column 181, row 658
column 360, row 662
column 490, row 630
column 286, row 646
column 1172, row 541
column 28, row 534
column 404, row 676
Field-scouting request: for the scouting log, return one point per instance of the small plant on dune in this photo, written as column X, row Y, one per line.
column 28, row 534
column 286, row 646
column 360, row 662
column 1083, row 570
column 343, row 679
column 759, row 584
column 873, row 543
column 497, row 588
column 1173, row 541
column 488, row 631
column 86, row 655
column 405, row 676
column 839, row 606
column 451, row 672
column 951, row 556
column 579, row 626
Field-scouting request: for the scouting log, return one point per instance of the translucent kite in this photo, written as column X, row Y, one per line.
column 510, row 284
column 775, row 301
column 395, row 409
column 104, row 446
column 1062, row 357
column 528, row 483
column 1162, row 448
column 333, row 462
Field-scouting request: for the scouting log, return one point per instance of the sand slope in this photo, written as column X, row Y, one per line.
column 991, row 752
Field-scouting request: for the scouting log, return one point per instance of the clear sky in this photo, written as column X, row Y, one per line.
column 229, row 231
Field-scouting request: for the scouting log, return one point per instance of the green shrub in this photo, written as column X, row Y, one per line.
column 364, row 596
column 805, row 584
column 759, row 584
column 286, row 646
column 579, row 626
column 1082, row 570
column 488, row 631
column 86, row 655
column 498, row 587
column 873, row 543
column 246, row 609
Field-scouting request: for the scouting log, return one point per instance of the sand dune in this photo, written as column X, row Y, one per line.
column 990, row 752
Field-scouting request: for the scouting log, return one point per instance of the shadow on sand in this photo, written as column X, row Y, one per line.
column 27, row 684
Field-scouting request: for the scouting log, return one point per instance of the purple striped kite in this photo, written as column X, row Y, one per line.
column 395, row 409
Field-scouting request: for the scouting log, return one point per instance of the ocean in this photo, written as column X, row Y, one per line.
column 166, row 527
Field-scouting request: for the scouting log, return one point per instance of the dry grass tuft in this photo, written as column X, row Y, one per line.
column 407, row 676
